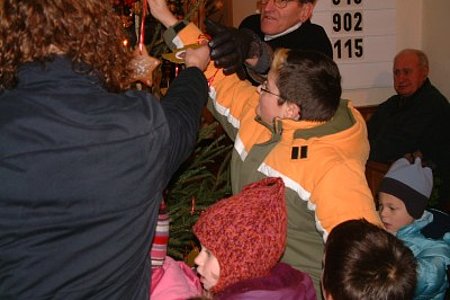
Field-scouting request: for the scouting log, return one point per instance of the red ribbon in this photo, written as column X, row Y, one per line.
column 141, row 35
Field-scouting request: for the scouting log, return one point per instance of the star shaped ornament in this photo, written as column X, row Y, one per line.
column 143, row 65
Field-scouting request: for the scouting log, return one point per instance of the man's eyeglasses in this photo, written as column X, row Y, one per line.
column 264, row 89
column 278, row 3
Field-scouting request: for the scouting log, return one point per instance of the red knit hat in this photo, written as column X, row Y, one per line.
column 246, row 232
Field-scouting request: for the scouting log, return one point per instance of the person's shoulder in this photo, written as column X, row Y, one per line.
column 437, row 96
column 420, row 244
column 283, row 282
column 313, row 26
column 388, row 103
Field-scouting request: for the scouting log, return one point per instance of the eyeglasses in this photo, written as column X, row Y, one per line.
column 278, row 3
column 264, row 89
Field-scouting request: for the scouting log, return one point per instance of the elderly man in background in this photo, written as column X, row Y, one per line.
column 287, row 24
column 417, row 118
column 281, row 24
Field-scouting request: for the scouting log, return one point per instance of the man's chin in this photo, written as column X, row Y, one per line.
column 269, row 27
column 404, row 91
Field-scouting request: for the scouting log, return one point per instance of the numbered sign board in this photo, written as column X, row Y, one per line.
column 363, row 35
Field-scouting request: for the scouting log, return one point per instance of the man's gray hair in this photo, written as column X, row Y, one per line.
column 423, row 59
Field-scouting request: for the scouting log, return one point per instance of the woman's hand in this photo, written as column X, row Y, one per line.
column 198, row 57
column 161, row 12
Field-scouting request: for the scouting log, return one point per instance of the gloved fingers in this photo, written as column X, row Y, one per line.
column 214, row 28
column 241, row 73
column 239, row 70
column 223, row 50
column 227, row 61
column 231, row 69
column 222, row 38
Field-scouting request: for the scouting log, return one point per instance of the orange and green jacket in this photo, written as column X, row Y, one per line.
column 321, row 164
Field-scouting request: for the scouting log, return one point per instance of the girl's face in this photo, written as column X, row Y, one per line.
column 208, row 268
column 393, row 213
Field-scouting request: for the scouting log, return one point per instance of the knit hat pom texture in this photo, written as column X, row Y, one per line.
column 246, row 232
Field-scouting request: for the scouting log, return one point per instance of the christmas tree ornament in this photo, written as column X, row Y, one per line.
column 143, row 64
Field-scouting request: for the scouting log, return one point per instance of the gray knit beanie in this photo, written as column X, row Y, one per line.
column 411, row 183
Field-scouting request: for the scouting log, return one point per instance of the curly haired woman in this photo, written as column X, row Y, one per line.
column 83, row 162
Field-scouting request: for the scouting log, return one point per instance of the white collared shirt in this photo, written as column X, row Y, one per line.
column 290, row 29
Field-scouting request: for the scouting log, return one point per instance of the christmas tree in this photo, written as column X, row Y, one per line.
column 204, row 178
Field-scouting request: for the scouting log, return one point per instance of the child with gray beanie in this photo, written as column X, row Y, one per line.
column 403, row 197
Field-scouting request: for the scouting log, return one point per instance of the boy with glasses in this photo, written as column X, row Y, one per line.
column 296, row 127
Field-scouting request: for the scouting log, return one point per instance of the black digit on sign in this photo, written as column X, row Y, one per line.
column 338, row 48
column 347, row 22
column 358, row 18
column 359, row 50
column 348, row 45
column 337, row 22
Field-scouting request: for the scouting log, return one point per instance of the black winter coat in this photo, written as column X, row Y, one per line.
column 82, row 172
column 308, row 36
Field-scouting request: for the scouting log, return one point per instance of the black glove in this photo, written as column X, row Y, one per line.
column 229, row 47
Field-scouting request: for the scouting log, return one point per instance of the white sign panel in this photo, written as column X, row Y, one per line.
column 363, row 36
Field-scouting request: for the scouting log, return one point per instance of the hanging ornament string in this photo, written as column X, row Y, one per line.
column 141, row 34
column 143, row 64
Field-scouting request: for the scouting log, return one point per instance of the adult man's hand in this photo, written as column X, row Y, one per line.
column 229, row 47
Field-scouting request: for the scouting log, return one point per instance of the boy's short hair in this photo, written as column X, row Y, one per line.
column 363, row 261
column 311, row 80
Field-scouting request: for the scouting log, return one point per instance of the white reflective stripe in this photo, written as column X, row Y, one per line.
column 320, row 228
column 178, row 42
column 296, row 187
column 240, row 148
column 311, row 206
column 222, row 110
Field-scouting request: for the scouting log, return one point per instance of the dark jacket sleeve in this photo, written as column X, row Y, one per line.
column 182, row 106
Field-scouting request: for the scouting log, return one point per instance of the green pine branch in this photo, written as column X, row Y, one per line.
column 202, row 180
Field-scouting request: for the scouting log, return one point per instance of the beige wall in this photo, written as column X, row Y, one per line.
column 241, row 9
column 422, row 24
column 436, row 42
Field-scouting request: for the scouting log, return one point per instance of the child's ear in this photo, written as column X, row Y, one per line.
column 292, row 111
column 328, row 296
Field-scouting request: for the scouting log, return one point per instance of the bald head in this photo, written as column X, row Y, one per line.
column 410, row 71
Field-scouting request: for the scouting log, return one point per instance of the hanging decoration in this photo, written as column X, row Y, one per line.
column 205, row 177
column 143, row 64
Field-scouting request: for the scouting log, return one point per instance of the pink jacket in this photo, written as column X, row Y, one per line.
column 174, row 281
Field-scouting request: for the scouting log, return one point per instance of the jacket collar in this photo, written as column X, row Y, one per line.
column 342, row 120
column 417, row 225
column 56, row 68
